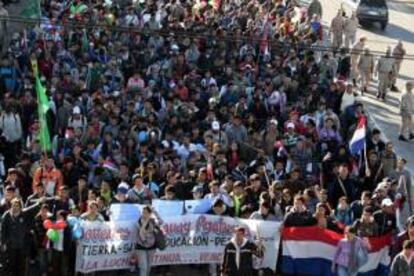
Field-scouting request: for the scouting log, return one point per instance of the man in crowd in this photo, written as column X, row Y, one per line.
column 336, row 30
column 15, row 228
column 398, row 54
column 238, row 255
column 407, row 112
column 385, row 70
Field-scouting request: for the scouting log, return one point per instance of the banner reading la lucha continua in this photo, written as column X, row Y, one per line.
column 191, row 239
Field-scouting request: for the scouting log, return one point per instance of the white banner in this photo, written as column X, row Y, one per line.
column 191, row 239
column 105, row 246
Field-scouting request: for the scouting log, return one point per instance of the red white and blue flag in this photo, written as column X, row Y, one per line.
column 357, row 143
column 310, row 251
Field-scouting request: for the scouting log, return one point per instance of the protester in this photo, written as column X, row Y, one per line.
column 348, row 260
column 263, row 213
column 298, row 215
column 15, row 228
column 385, row 217
column 407, row 234
column 366, row 226
column 92, row 213
column 315, row 7
column 343, row 213
column 39, row 238
column 403, row 265
column 403, row 197
column 49, row 176
column 238, row 255
column 147, row 226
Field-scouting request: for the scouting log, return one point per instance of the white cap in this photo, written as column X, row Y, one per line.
column 382, row 186
column 274, row 122
column 215, row 125
column 165, row 144
column 123, row 184
column 386, row 202
column 175, row 47
column 291, row 125
column 76, row 110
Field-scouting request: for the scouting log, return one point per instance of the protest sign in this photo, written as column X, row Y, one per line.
column 125, row 212
column 168, row 208
column 105, row 246
column 201, row 239
column 191, row 239
column 197, row 206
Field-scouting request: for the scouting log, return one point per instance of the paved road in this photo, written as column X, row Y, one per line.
column 385, row 115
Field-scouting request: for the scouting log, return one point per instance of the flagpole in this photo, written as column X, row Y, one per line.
column 39, row 9
column 367, row 170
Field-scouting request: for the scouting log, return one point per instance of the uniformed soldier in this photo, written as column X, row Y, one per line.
column 350, row 29
column 407, row 112
column 356, row 52
column 385, row 72
column 398, row 54
column 366, row 69
column 337, row 30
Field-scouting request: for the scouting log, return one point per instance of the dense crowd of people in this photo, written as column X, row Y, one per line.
column 238, row 101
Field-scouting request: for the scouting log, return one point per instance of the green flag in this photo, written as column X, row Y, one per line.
column 32, row 9
column 42, row 108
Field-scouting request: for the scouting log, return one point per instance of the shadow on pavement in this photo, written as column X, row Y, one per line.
column 392, row 32
column 402, row 6
column 405, row 77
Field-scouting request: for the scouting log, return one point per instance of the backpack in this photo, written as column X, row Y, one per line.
column 160, row 239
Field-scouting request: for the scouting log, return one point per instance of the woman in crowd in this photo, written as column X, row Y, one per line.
column 146, row 240
column 351, row 253
column 92, row 214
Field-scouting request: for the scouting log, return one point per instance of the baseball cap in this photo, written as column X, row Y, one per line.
column 290, row 125
column 10, row 188
column 274, row 122
column 135, row 176
column 122, row 188
column 12, row 170
column 76, row 110
column 386, row 202
column 215, row 125
column 197, row 189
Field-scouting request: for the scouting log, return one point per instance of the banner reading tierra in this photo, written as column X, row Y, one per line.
column 191, row 239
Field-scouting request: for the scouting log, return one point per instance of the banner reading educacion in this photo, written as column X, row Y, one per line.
column 191, row 239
